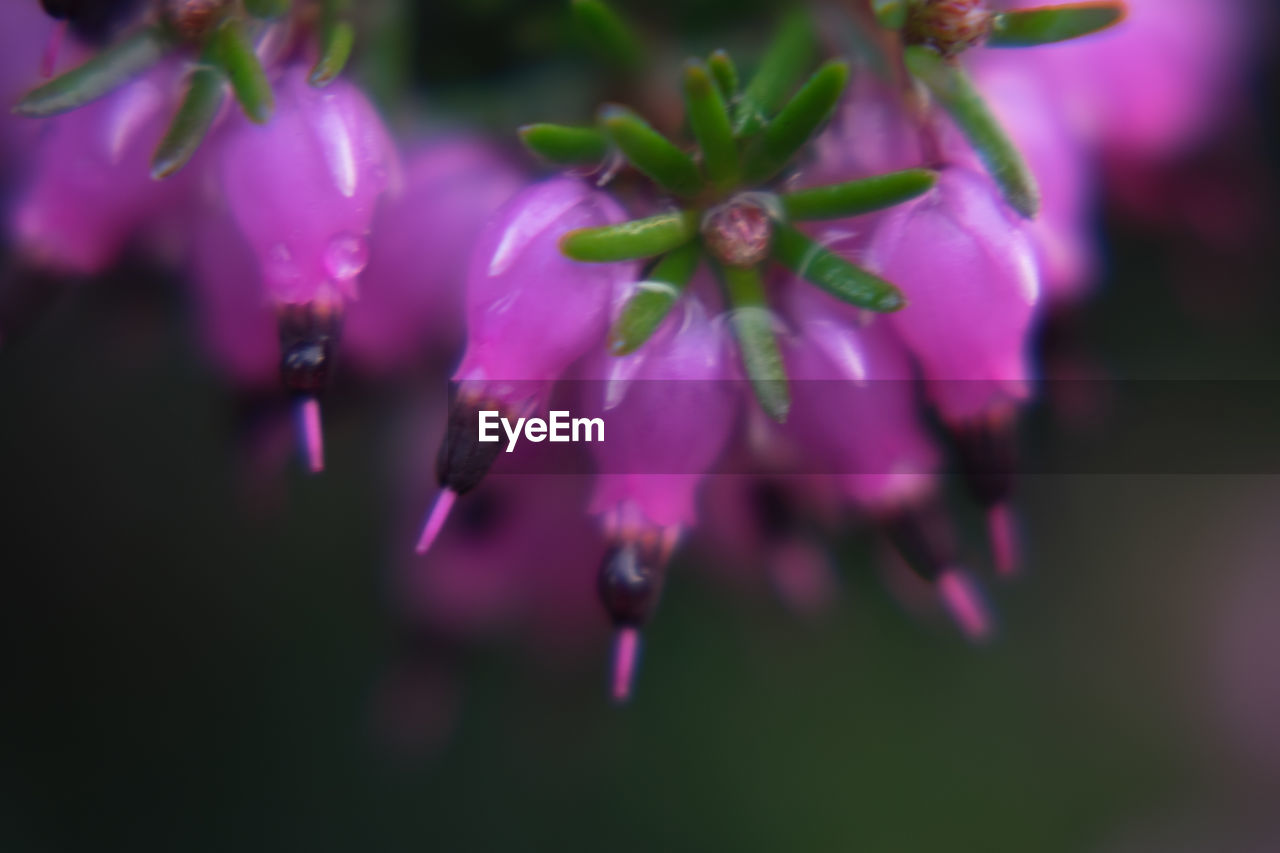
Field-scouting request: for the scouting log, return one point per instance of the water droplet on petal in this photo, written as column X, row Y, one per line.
column 346, row 256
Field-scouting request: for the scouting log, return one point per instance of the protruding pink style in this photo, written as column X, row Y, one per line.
column 964, row 601
column 436, row 518
column 312, row 434
column 303, row 188
column 89, row 189
column 626, row 660
column 531, row 311
column 968, row 269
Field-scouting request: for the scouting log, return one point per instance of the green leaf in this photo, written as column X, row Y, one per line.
column 752, row 323
column 104, row 73
column 726, row 74
column 709, row 119
column 857, row 197
column 892, row 14
column 609, row 36
column 833, row 273
column 640, row 238
column 234, row 54
column 1050, row 24
column 799, row 120
column 952, row 89
column 653, row 299
column 566, row 146
column 651, row 152
column 337, row 38
column 783, row 66
column 269, row 9
column 206, row 92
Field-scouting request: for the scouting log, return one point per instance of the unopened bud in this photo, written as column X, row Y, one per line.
column 951, row 26
column 738, row 233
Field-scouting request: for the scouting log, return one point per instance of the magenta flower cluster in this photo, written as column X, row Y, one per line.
column 319, row 233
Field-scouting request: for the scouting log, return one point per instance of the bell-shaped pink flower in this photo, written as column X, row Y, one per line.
column 968, row 269
column 411, row 294
column 89, row 189
column 24, row 31
column 855, row 413
column 303, row 188
column 670, row 412
column 531, row 312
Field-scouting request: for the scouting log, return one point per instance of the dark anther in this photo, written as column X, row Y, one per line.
column 922, row 536
column 988, row 451
column 629, row 585
column 464, row 460
column 308, row 338
column 773, row 511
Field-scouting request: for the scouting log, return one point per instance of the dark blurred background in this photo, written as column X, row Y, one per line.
column 183, row 674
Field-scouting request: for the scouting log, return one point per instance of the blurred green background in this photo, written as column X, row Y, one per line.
column 180, row 676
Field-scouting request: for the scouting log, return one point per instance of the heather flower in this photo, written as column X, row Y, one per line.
column 89, row 190
column 531, row 312
column 303, row 190
column 857, row 415
column 673, row 419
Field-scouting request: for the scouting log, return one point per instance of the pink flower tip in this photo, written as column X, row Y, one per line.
column 312, row 433
column 626, row 658
column 1002, row 530
column 966, row 604
column 436, row 519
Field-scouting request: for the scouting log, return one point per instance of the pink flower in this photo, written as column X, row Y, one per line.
column 304, row 187
column 24, row 30
column 411, row 296
column 968, row 268
column 303, row 191
column 90, row 189
column 531, row 312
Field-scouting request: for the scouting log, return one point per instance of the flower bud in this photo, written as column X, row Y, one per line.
column 968, row 269
column 951, row 26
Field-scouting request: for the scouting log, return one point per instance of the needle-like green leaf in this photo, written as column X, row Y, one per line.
column 709, row 119
column 752, row 323
column 1050, row 24
column 892, row 14
column 640, row 238
column 566, row 146
column 269, row 9
column 783, row 66
column 104, row 73
column 833, row 273
column 206, row 92
column 653, row 299
column 854, row 198
column 952, row 89
column 651, row 152
column 337, row 38
column 799, row 120
column 610, row 37
column 726, row 74
column 234, row 54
